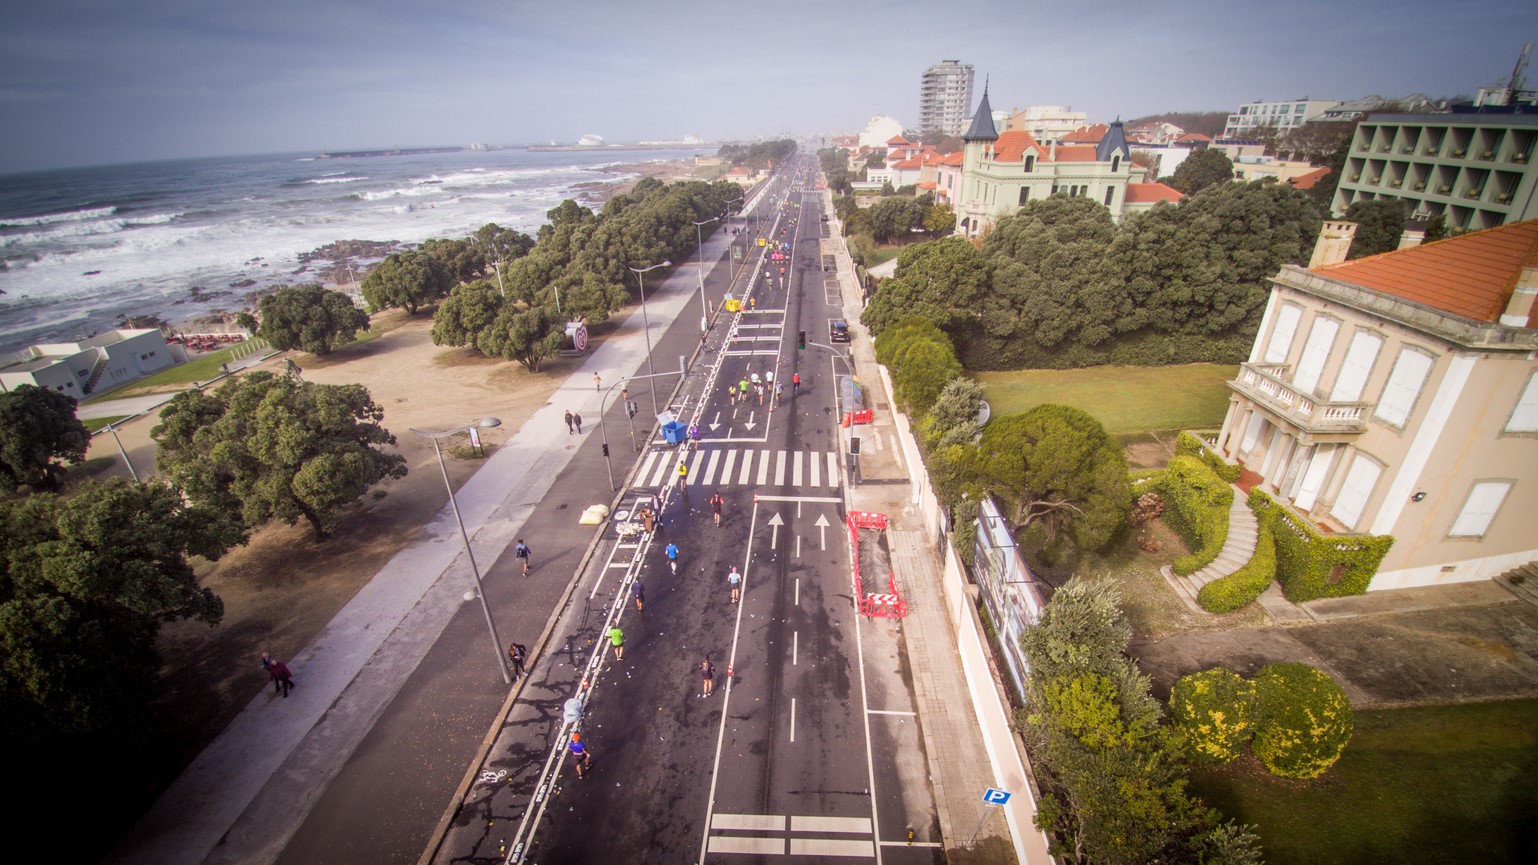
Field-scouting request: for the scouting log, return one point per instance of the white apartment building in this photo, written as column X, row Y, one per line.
column 945, row 96
column 1282, row 116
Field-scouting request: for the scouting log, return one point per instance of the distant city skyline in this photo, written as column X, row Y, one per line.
column 88, row 83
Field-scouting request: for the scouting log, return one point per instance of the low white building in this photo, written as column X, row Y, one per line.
column 80, row 368
column 879, row 131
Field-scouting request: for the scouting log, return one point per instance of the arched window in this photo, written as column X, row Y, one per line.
column 1030, row 162
column 1116, row 162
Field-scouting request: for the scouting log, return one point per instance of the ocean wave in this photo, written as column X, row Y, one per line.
column 330, row 179
column 401, row 192
column 51, row 218
column 86, row 229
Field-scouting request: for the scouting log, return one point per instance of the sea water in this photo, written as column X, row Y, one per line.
column 83, row 248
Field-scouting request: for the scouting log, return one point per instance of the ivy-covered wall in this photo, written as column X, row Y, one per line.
column 1311, row 565
column 1187, row 444
column 1198, row 509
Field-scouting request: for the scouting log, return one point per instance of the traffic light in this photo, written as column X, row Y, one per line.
column 606, row 449
column 631, row 408
column 801, row 338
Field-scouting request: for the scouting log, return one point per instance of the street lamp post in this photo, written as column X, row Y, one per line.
column 480, row 588
column 700, row 242
column 646, row 323
column 491, row 247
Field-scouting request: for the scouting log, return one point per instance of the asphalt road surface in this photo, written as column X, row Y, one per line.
column 808, row 749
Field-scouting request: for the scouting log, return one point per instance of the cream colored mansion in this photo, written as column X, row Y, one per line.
column 1398, row 395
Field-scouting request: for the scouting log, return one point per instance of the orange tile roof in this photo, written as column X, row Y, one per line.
column 908, row 164
column 952, row 158
column 1086, row 135
column 1471, row 275
column 1306, row 181
column 1074, row 153
column 1011, row 146
column 928, row 184
column 1193, row 136
column 896, row 140
column 1143, row 193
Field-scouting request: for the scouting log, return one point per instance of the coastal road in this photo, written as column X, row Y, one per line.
column 808, row 749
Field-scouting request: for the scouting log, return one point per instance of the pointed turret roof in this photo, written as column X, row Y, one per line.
column 1115, row 139
column 982, row 122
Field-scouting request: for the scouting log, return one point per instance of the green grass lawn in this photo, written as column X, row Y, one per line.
column 1437, row 784
column 96, row 423
column 201, row 369
column 881, row 255
column 1126, row 399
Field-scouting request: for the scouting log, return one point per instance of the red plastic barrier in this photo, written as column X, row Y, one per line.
column 889, row 604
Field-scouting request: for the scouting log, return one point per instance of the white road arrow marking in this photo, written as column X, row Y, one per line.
column 716, row 424
column 749, row 422
column 822, row 528
column 775, row 522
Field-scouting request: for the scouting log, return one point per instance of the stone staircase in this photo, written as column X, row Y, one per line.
column 1243, row 532
column 1522, row 581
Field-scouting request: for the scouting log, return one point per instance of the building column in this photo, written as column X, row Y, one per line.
column 1273, row 454
column 1330, row 489
column 1301, row 454
column 1226, row 431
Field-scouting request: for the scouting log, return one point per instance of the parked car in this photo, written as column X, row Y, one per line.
column 838, row 330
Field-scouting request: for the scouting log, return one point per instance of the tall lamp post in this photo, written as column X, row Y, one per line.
column 480, row 588
column 491, row 247
column 646, row 322
column 700, row 242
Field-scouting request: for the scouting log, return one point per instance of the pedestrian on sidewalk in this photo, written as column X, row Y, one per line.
column 577, row 419
column 656, row 504
column 638, row 591
column 522, row 552
column 517, row 653
column 707, row 677
column 617, row 638
column 597, row 382
column 282, row 679
column 568, row 421
column 734, row 580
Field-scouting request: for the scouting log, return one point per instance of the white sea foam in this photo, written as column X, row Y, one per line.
column 84, row 229
column 334, row 179
column 51, row 218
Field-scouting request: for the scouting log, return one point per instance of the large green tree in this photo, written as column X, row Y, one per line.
column 274, row 448
column 466, row 313
column 942, row 280
column 1055, row 467
column 1379, row 224
column 38, row 428
column 896, row 217
column 527, row 335
column 462, row 258
column 1201, row 170
column 409, row 280
column 1052, row 279
column 309, row 318
column 1112, row 787
column 85, row 584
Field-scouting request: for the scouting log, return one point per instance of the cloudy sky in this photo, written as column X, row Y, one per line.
column 98, row 81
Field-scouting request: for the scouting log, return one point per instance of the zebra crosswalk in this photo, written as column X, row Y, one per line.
column 727, row 467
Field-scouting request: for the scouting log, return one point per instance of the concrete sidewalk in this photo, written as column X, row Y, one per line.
column 959, row 768
column 243, row 798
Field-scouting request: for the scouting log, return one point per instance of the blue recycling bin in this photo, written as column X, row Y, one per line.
column 674, row 433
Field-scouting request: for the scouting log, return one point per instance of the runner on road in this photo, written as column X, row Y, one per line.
column 671, row 551
column 708, row 677
column 522, row 552
column 715, row 506
column 734, row 580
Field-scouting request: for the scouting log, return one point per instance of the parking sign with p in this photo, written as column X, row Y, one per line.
column 995, row 797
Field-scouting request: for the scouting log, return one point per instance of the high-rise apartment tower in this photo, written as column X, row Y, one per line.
column 945, row 97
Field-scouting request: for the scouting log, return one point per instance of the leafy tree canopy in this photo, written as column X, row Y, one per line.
column 1057, row 466
column 942, row 280
column 528, row 335
column 1379, row 224
column 894, row 218
column 309, row 318
column 467, row 311
column 38, row 427
column 268, row 447
column 1201, row 170
column 409, row 280
column 84, row 585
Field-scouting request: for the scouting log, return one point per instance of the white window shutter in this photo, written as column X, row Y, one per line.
column 1524, row 418
column 1315, row 352
column 1281, row 334
column 1480, row 509
column 1353, row 494
column 1356, row 367
column 1404, row 385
